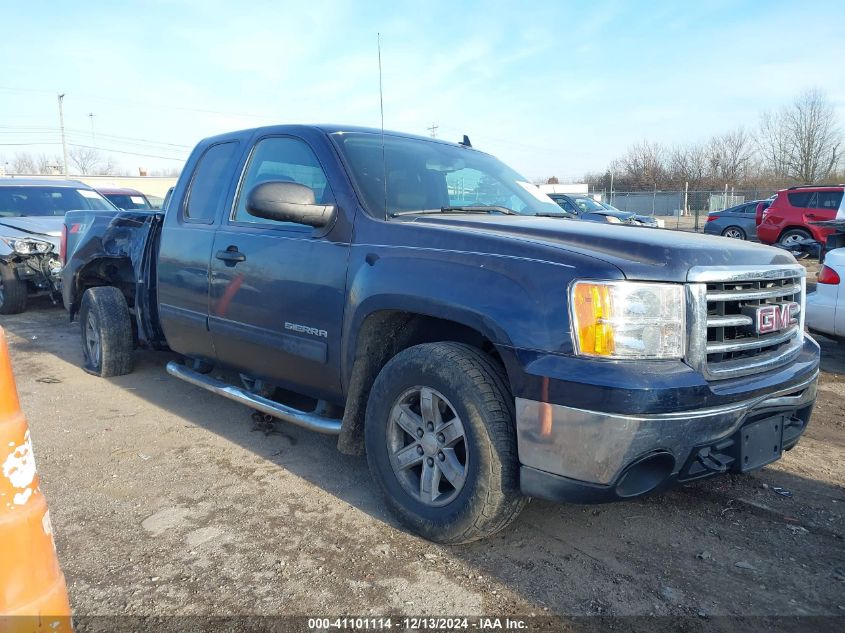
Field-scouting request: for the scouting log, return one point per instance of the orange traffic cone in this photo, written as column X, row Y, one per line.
column 33, row 595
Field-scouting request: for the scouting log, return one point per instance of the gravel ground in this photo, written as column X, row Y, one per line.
column 165, row 500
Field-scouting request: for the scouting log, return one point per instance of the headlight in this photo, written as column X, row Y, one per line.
column 628, row 320
column 613, row 219
column 27, row 245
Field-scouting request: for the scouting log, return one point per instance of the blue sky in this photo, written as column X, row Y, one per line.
column 552, row 88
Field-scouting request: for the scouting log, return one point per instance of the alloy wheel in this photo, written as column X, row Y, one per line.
column 427, row 446
column 792, row 239
column 92, row 341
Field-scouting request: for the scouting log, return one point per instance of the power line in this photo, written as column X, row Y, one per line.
column 45, row 130
column 117, row 151
column 103, row 149
column 145, row 104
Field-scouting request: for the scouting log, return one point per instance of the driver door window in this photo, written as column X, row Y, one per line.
column 281, row 159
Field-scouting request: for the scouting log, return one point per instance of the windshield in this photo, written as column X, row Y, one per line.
column 49, row 201
column 616, row 211
column 128, row 201
column 430, row 176
column 587, row 204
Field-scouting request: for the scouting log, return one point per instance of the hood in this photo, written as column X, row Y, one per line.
column 48, row 228
column 659, row 255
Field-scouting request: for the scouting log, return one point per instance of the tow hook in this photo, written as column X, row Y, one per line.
column 712, row 457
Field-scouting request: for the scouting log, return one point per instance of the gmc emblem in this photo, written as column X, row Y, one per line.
column 773, row 317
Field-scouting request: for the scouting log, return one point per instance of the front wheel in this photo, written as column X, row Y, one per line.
column 13, row 291
column 441, row 442
column 107, row 339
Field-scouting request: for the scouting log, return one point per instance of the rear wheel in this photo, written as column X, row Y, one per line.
column 734, row 232
column 106, row 332
column 13, row 291
column 441, row 442
column 792, row 236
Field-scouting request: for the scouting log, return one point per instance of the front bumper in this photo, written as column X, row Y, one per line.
column 820, row 313
column 586, row 456
column 41, row 270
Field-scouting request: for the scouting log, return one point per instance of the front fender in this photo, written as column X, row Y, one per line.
column 513, row 302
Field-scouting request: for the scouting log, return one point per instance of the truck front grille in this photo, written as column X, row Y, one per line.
column 724, row 342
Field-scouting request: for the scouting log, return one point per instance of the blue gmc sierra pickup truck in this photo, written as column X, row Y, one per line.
column 426, row 304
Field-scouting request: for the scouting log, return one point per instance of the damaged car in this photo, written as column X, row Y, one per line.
column 31, row 220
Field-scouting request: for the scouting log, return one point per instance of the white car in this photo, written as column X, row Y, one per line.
column 826, row 306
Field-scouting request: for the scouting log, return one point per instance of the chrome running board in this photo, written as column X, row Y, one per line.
column 305, row 419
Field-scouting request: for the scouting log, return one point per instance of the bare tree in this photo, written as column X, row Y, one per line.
column 688, row 164
column 814, row 137
column 85, row 160
column 642, row 165
column 729, row 156
column 48, row 164
column 774, row 143
column 24, row 163
column 107, row 166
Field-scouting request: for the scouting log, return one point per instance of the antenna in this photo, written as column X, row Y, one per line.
column 381, row 105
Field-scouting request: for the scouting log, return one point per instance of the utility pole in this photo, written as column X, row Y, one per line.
column 93, row 137
column 433, row 129
column 62, row 129
column 611, row 188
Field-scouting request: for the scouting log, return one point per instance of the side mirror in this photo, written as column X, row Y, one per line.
column 287, row 202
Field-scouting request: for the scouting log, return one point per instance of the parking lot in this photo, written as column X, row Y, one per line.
column 166, row 500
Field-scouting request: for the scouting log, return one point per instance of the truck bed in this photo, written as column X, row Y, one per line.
column 125, row 241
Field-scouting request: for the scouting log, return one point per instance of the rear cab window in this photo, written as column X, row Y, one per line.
column 207, row 191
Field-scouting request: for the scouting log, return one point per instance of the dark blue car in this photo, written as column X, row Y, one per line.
column 735, row 222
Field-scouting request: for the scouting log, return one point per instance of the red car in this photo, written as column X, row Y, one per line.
column 125, row 198
column 789, row 217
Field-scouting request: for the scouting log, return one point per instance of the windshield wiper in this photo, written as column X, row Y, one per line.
column 464, row 209
column 553, row 215
column 484, row 208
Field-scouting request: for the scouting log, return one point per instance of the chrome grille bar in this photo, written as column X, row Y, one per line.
column 729, row 321
column 756, row 343
column 750, row 295
column 723, row 341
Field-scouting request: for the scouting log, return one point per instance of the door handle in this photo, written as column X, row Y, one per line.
column 231, row 256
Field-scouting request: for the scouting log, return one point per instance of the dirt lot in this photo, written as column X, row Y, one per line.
column 165, row 500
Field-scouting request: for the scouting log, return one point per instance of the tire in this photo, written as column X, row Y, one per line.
column 734, row 232
column 471, row 389
column 13, row 291
column 106, row 332
column 793, row 235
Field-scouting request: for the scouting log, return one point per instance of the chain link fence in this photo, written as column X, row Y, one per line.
column 679, row 209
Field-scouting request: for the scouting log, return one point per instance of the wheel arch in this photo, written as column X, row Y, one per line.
column 381, row 335
column 107, row 271
column 794, row 227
